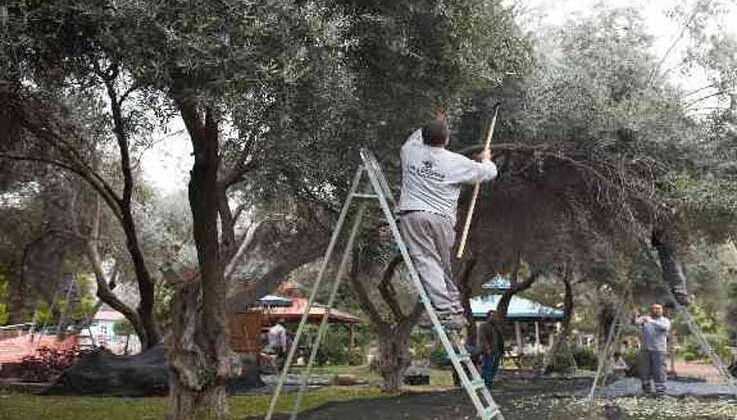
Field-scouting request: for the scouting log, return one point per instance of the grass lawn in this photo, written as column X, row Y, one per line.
column 17, row 406
column 438, row 378
column 34, row 407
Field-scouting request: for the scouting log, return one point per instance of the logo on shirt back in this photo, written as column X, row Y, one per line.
column 425, row 170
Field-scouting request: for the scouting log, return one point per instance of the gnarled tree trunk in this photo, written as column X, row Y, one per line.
column 198, row 354
column 466, row 289
column 565, row 323
column 393, row 331
column 394, row 357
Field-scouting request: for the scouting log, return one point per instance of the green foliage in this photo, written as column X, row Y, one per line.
column 43, row 314
column 532, row 361
column 123, row 328
column 85, row 305
column 421, row 346
column 438, row 357
column 26, row 406
column 585, row 358
column 715, row 331
column 356, row 357
column 631, row 357
column 163, row 293
column 563, row 360
column 334, row 347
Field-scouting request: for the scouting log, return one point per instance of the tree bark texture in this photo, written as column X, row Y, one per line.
column 673, row 273
column 506, row 298
column 394, row 357
column 466, row 289
column 278, row 247
column 565, row 323
column 198, row 354
column 393, row 329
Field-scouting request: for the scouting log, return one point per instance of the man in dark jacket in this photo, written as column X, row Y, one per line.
column 491, row 344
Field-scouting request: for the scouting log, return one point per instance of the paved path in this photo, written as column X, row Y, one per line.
column 631, row 386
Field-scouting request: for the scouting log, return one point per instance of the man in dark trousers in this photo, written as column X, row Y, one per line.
column 432, row 178
column 654, row 349
column 278, row 343
column 491, row 345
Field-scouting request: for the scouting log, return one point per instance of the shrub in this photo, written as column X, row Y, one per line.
column 47, row 364
column 334, row 348
column 532, row 361
column 421, row 346
column 563, row 360
column 356, row 357
column 718, row 341
column 631, row 357
column 585, row 358
column 438, row 358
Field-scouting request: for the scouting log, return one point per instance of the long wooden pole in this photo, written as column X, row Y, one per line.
column 476, row 188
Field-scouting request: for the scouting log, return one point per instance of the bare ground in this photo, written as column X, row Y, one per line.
column 541, row 398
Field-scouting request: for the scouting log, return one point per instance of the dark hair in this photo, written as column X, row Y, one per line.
column 435, row 133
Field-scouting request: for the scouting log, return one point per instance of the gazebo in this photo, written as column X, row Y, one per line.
column 296, row 308
column 247, row 325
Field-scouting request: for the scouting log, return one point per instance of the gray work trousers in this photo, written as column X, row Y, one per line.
column 653, row 368
column 429, row 238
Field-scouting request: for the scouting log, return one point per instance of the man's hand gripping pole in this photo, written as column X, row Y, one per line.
column 474, row 198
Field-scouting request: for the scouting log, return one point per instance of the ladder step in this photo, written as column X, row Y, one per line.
column 464, row 358
column 490, row 412
column 478, row 383
column 365, row 195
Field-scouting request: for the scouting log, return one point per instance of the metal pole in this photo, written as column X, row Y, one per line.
column 604, row 354
column 320, row 275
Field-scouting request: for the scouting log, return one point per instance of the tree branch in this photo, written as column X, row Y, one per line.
column 111, row 201
column 362, row 294
column 385, row 288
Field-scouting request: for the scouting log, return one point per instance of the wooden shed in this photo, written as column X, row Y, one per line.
column 245, row 332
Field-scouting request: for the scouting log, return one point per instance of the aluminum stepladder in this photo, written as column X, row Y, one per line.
column 716, row 360
column 377, row 188
column 615, row 330
column 619, row 323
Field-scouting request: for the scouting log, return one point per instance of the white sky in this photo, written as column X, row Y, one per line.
column 167, row 164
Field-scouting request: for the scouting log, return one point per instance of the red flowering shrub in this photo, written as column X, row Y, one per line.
column 47, row 363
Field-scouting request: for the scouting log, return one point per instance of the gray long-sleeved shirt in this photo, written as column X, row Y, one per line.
column 432, row 177
column 655, row 333
column 277, row 337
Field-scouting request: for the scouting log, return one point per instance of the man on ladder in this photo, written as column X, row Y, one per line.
column 432, row 178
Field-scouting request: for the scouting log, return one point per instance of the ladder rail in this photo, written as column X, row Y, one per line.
column 480, row 407
column 614, row 329
column 331, row 301
column 467, row 372
column 716, row 360
column 313, row 295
